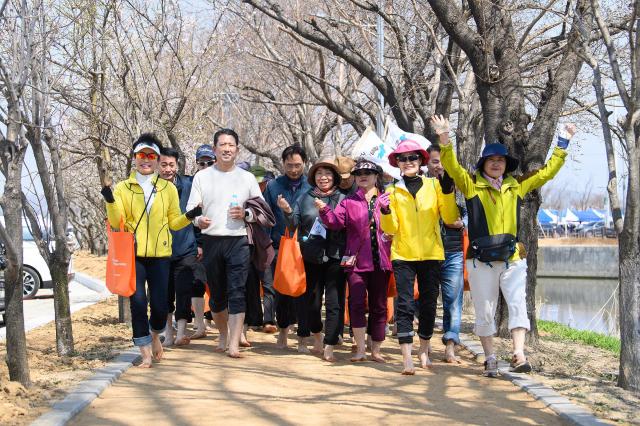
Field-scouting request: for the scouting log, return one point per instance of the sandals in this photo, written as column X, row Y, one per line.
column 519, row 367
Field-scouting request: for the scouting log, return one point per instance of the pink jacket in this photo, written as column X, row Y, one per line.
column 353, row 214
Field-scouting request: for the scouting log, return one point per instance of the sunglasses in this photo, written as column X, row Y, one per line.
column 151, row 156
column 206, row 163
column 364, row 173
column 405, row 158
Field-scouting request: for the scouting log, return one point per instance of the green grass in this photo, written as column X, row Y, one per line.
column 590, row 338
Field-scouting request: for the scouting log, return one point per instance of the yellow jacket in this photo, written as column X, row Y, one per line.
column 493, row 212
column 415, row 223
column 153, row 236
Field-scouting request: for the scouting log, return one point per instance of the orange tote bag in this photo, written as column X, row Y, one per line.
column 465, row 249
column 289, row 278
column 121, row 262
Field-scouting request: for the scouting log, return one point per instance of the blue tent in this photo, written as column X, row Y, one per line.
column 543, row 217
column 587, row 216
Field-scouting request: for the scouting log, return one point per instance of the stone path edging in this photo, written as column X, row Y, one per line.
column 88, row 390
column 561, row 405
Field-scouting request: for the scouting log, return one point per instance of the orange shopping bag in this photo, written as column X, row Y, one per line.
column 289, row 277
column 392, row 291
column 121, row 262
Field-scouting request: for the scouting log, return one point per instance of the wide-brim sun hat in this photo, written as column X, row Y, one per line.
column 405, row 146
column 328, row 163
column 344, row 165
column 501, row 150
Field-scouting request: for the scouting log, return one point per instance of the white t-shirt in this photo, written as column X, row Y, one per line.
column 215, row 190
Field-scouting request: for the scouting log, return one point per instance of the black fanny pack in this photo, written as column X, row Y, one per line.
column 494, row 247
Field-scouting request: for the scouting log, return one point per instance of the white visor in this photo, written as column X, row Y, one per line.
column 150, row 145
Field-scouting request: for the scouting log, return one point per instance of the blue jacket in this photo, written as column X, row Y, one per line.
column 282, row 185
column 184, row 240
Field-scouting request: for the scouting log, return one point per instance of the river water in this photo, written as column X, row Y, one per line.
column 581, row 303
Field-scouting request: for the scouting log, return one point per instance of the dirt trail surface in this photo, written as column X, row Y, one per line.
column 270, row 386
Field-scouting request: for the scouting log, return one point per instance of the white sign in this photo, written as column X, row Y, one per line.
column 394, row 135
column 371, row 147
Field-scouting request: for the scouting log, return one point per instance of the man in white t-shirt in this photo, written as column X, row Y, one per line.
column 222, row 190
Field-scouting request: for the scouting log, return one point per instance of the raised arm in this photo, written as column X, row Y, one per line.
column 461, row 177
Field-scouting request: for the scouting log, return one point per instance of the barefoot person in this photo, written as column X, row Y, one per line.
column 366, row 259
column 494, row 197
column 186, row 276
column 411, row 212
column 289, row 187
column 149, row 207
column 451, row 272
column 322, row 250
column 222, row 190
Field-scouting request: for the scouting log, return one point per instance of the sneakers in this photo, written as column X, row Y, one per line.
column 491, row 367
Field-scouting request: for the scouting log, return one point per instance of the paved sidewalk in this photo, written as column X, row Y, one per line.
column 194, row 386
column 83, row 291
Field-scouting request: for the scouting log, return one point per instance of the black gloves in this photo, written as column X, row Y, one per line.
column 107, row 194
column 446, row 183
column 194, row 212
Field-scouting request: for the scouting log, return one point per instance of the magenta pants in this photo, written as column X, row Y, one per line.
column 375, row 285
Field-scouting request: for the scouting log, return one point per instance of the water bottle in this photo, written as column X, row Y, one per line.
column 234, row 201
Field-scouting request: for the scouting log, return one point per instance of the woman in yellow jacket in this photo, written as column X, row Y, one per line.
column 411, row 212
column 493, row 199
column 150, row 209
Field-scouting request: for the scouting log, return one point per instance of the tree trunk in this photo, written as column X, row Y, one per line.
column 629, row 259
column 11, row 201
column 64, row 330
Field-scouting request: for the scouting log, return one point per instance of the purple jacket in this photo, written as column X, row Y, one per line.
column 353, row 214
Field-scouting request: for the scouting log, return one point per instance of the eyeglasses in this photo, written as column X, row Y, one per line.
column 405, row 158
column 151, row 156
column 363, row 173
column 206, row 163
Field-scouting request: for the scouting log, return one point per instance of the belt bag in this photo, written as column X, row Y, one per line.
column 494, row 247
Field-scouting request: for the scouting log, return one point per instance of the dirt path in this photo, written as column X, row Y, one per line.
column 194, row 386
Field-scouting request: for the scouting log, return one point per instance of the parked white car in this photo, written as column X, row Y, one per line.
column 36, row 274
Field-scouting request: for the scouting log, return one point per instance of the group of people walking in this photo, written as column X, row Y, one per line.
column 219, row 231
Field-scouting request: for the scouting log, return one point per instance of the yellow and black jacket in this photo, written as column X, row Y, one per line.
column 153, row 236
column 493, row 212
column 415, row 223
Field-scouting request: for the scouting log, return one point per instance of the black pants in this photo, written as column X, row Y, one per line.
column 154, row 271
column 269, row 297
column 329, row 280
column 428, row 272
column 186, row 280
column 226, row 260
column 253, row 316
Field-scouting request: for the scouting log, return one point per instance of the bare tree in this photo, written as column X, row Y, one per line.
column 627, row 81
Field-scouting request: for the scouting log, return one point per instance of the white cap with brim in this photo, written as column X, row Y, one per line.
column 150, row 145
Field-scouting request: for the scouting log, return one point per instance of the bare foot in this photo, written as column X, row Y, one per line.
column 156, row 348
column 407, row 366
column 183, row 341
column 450, row 353
column 245, row 344
column 327, row 354
column 358, row 358
column 145, row 352
column 282, row 339
column 378, row 358
column 199, row 334
column 222, row 344
column 302, row 346
column 269, row 329
column 169, row 338
column 317, row 344
column 423, row 356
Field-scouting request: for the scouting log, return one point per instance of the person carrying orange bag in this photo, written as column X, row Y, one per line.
column 149, row 207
